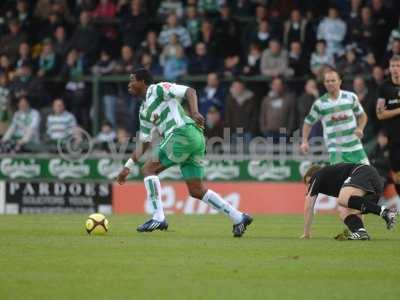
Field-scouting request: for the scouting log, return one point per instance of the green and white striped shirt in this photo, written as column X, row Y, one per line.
column 339, row 120
column 60, row 126
column 162, row 111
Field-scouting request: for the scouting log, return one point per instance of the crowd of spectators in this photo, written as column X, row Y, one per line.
column 46, row 46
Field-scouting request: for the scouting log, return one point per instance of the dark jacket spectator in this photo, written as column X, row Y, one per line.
column 128, row 61
column 85, row 39
column 304, row 102
column 24, row 57
column 295, row 28
column 133, row 25
column 60, row 42
column 200, row 62
column 151, row 46
column 242, row 100
column 48, row 61
column 262, row 35
column 227, row 30
column 10, row 42
column 363, row 30
column 276, row 110
column 297, row 60
column 211, row 95
column 252, row 66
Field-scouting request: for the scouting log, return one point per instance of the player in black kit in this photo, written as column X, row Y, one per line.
column 355, row 186
column 388, row 111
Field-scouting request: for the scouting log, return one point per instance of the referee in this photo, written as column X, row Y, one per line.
column 388, row 111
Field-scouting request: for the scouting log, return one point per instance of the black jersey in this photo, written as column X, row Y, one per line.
column 330, row 180
column 389, row 96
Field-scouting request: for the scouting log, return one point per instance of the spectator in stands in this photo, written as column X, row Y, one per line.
column 105, row 137
column 44, row 8
column 87, row 5
column 146, row 62
column 76, row 96
column 274, row 61
column 24, row 128
column 276, row 113
column 395, row 50
column 48, row 61
column 303, row 105
column 48, row 26
column 24, row 15
column 151, row 46
column 5, row 103
column 383, row 18
column 60, row 124
column 128, row 62
column 200, row 62
column 262, row 35
column 297, row 60
column 193, row 23
column 227, row 29
column 170, row 49
column 252, row 67
column 207, row 36
column 24, row 84
column 172, row 28
column 253, row 25
column 211, row 95
column 363, row 30
column 175, row 65
column 210, row 8
column 332, row 29
column 354, row 13
column 214, row 126
column 85, row 39
column 10, row 42
column 106, row 134
column 367, row 101
column 170, row 6
column 320, row 58
column 105, row 9
column 133, row 24
column 24, row 57
column 108, row 90
column 378, row 77
column 394, row 35
column 231, row 67
column 295, row 28
column 5, row 64
column 240, row 99
column 122, row 140
column 350, row 64
column 60, row 42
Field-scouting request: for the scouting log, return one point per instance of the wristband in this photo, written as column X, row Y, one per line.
column 129, row 164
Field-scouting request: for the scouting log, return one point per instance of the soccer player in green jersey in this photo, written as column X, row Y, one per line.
column 182, row 144
column 343, row 120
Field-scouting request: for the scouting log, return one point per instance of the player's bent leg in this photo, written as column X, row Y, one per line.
column 354, row 221
column 198, row 190
column 355, row 198
column 153, row 188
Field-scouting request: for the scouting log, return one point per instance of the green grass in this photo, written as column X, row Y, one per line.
column 51, row 257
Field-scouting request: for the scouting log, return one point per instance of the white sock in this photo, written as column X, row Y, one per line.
column 153, row 188
column 216, row 201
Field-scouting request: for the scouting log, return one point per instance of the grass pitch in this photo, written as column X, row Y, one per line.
column 52, row 257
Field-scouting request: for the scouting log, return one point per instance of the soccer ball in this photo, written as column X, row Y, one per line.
column 96, row 224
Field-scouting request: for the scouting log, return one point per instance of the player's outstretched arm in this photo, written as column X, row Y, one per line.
column 191, row 97
column 140, row 149
column 308, row 215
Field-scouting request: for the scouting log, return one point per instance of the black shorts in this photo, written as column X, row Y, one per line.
column 394, row 156
column 367, row 179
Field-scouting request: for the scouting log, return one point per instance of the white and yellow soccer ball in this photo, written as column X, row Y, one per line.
column 97, row 224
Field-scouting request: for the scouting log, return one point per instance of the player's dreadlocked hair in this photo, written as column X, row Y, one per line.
column 143, row 75
column 311, row 171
